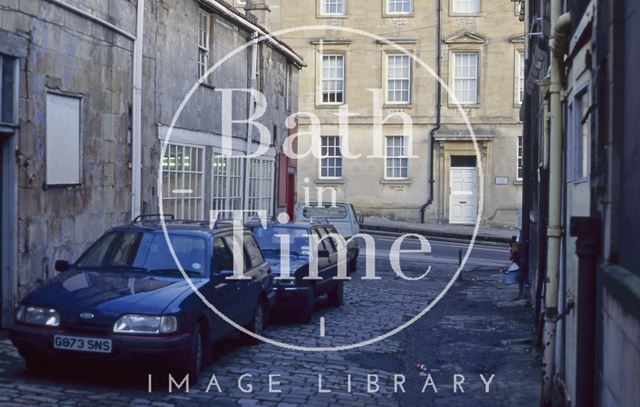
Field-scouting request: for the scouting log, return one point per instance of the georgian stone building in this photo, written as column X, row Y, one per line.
column 425, row 165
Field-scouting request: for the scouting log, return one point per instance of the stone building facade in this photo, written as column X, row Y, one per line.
column 78, row 117
column 594, row 356
column 384, row 75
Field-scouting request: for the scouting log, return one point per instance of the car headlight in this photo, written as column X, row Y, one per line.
column 38, row 316
column 145, row 324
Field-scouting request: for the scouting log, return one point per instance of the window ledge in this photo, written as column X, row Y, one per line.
column 517, row 182
column 463, row 105
column 407, row 181
column 623, row 285
column 397, row 106
column 329, row 181
column 391, row 15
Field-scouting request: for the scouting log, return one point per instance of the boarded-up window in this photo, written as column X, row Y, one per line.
column 63, row 140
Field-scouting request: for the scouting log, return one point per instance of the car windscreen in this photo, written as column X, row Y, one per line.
column 146, row 252
column 328, row 212
column 269, row 239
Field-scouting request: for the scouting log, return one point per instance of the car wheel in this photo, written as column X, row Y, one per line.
column 259, row 322
column 352, row 266
column 309, row 306
column 34, row 363
column 336, row 295
column 195, row 360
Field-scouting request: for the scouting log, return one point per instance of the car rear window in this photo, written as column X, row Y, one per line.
column 329, row 212
column 269, row 239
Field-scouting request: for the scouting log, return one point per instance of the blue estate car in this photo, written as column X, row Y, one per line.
column 297, row 294
column 125, row 300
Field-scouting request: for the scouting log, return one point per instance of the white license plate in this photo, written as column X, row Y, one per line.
column 82, row 344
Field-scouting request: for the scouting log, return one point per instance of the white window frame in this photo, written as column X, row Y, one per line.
column 519, row 158
column 519, row 77
column 63, row 140
column 336, row 79
column 181, row 181
column 227, row 183
column 330, row 151
column 396, row 161
column 463, row 7
column 325, row 4
column 390, row 12
column 260, row 184
column 204, row 41
column 401, row 79
column 456, row 79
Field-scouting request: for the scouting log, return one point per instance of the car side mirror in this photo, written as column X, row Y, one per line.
column 62, row 266
column 361, row 219
column 323, row 253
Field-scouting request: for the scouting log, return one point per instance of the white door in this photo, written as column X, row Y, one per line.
column 463, row 202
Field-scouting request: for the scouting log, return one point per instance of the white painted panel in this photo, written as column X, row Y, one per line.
column 63, row 140
column 463, row 198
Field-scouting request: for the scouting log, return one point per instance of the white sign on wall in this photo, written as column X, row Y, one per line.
column 63, row 140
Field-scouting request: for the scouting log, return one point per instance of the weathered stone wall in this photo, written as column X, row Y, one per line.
column 68, row 54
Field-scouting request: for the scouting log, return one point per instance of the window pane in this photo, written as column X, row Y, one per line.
column 465, row 77
column 332, row 81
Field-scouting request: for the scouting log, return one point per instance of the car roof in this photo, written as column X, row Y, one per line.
column 301, row 225
column 190, row 227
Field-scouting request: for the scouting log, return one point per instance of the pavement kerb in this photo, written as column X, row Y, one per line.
column 441, row 235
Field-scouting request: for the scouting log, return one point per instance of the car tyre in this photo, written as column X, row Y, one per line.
column 259, row 321
column 196, row 357
column 336, row 295
column 35, row 364
column 309, row 306
column 352, row 266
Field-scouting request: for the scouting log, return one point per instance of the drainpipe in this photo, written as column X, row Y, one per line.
column 136, row 115
column 559, row 24
column 433, row 131
column 252, row 85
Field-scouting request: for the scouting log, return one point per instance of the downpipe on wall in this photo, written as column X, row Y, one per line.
column 136, row 116
column 559, row 25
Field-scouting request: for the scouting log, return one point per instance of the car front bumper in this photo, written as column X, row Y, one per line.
column 157, row 351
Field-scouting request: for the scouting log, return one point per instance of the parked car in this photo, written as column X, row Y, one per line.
column 125, row 301
column 297, row 294
column 341, row 215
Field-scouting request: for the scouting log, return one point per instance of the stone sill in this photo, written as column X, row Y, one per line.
column 396, row 182
column 328, row 181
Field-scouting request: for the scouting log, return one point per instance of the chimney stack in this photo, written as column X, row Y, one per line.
column 260, row 11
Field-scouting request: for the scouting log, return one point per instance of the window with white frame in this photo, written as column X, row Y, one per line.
column 226, row 183
column 520, row 77
column 465, row 77
column 62, row 141
column 330, row 157
column 399, row 6
column 332, row 7
column 396, row 157
column 465, row 6
column 520, row 162
column 332, row 79
column 183, row 181
column 260, row 196
column 204, row 26
column 398, row 78
column 581, row 135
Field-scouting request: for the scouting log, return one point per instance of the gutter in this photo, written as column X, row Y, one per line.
column 241, row 20
column 93, row 18
column 433, row 131
column 559, row 25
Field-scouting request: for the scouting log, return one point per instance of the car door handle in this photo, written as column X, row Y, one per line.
column 463, row 202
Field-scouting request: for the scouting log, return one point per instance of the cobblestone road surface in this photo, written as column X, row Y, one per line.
column 476, row 329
